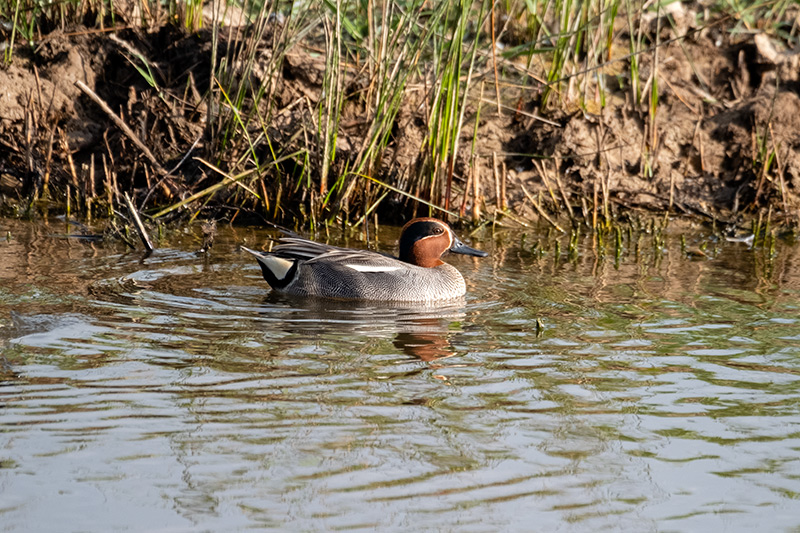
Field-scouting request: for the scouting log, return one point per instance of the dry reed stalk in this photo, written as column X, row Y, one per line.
column 107, row 185
column 496, row 174
column 594, row 206
column 92, row 191
column 116, row 185
column 71, row 162
column 449, row 183
column 563, row 192
column 121, row 125
column 516, row 219
column 138, row 223
column 476, row 191
column 365, row 219
column 702, row 157
column 29, row 133
column 538, row 207
column 767, row 228
column 38, row 85
column 467, row 186
column 494, row 63
column 264, row 197
column 761, row 172
column 779, row 167
column 108, row 149
column 600, row 135
column 111, row 179
column 672, row 190
column 606, row 194
column 654, row 108
column 48, row 159
column 542, row 170
column 695, row 137
column 584, row 209
column 278, row 199
column 88, row 186
column 503, row 178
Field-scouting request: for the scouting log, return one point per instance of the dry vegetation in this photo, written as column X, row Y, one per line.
column 569, row 113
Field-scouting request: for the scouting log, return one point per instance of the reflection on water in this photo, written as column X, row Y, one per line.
column 175, row 392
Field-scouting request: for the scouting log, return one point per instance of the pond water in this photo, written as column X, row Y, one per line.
column 573, row 391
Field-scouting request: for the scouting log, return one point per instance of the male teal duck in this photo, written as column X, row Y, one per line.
column 306, row 268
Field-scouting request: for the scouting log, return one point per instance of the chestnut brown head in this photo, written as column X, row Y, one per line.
column 424, row 240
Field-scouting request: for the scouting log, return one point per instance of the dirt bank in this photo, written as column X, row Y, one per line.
column 723, row 141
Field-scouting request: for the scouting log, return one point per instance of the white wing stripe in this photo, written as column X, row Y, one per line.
column 373, row 268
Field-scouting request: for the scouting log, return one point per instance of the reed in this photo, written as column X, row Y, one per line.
column 450, row 97
column 393, row 58
column 382, row 62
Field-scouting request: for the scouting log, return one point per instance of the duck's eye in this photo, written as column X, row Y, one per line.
column 438, row 231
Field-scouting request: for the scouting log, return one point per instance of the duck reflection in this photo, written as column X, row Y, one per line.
column 423, row 332
column 427, row 347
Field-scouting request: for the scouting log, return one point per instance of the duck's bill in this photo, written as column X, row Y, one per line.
column 461, row 248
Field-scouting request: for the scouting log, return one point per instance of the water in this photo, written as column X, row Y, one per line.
column 175, row 393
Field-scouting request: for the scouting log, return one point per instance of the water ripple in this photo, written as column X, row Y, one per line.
column 176, row 392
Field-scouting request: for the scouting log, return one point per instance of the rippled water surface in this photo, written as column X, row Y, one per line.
column 649, row 392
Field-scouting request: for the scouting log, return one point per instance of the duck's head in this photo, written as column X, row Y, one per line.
column 424, row 240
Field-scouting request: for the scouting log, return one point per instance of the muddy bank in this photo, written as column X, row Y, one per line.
column 722, row 143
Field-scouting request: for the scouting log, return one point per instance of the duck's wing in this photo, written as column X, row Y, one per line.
column 314, row 252
column 359, row 261
column 298, row 248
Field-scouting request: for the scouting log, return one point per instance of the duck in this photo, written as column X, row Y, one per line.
column 301, row 267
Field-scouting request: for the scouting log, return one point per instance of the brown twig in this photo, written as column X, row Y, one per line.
column 121, row 125
column 138, row 223
column 539, row 207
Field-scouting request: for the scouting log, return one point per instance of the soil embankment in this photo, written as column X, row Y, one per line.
column 722, row 142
